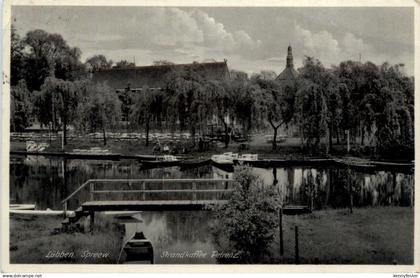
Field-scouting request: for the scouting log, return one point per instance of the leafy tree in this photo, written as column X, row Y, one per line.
column 278, row 104
column 147, row 109
column 49, row 55
column 312, row 113
column 101, row 109
column 17, row 58
column 221, row 99
column 57, row 102
column 20, row 107
column 186, row 101
column 238, row 76
column 246, row 224
column 123, row 64
column 163, row 63
column 98, row 62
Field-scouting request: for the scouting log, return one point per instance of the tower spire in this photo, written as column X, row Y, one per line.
column 289, row 60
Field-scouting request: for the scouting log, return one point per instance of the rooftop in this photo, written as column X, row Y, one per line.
column 154, row 76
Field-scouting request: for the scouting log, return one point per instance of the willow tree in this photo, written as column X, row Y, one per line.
column 101, row 109
column 185, row 102
column 147, row 109
column 277, row 103
column 221, row 104
column 57, row 102
column 312, row 113
column 20, row 106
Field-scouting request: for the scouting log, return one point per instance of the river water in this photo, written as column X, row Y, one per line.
column 46, row 181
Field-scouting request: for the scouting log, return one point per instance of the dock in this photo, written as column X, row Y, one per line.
column 153, row 195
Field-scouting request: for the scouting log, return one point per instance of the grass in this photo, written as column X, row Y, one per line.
column 32, row 241
column 382, row 235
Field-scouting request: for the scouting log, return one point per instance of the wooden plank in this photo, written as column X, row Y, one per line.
column 164, row 191
column 155, row 205
column 162, row 180
column 170, row 205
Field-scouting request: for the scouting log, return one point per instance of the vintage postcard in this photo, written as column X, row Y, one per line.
column 209, row 136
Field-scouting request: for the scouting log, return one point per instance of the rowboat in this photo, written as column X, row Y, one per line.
column 224, row 161
column 138, row 249
column 194, row 163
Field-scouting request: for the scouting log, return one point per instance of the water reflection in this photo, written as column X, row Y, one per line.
column 175, row 235
column 47, row 181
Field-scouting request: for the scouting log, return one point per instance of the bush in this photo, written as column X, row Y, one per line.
column 245, row 226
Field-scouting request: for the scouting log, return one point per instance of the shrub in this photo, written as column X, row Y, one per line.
column 246, row 224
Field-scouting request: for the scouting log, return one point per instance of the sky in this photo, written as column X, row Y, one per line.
column 252, row 39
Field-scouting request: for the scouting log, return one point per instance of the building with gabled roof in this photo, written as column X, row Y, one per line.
column 153, row 77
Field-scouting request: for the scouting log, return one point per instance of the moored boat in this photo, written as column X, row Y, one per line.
column 162, row 161
column 193, row 163
column 138, row 249
column 224, row 161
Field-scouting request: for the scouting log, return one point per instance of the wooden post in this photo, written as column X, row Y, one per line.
column 91, row 189
column 348, row 140
column 143, row 187
column 194, row 188
column 65, row 209
column 92, row 220
column 281, row 231
column 296, row 245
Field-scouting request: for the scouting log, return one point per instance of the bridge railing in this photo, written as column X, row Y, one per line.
column 153, row 189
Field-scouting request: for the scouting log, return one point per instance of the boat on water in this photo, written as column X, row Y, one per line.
column 162, row 161
column 193, row 163
column 224, row 161
column 248, row 157
column 138, row 250
column 32, row 146
column 225, row 158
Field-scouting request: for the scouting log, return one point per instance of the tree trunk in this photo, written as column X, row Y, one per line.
column 147, row 132
column 275, row 138
column 104, row 134
column 337, row 135
column 362, row 141
column 348, row 140
column 65, row 128
column 192, row 131
column 226, row 133
column 330, row 135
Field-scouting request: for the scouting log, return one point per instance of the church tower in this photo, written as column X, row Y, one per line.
column 289, row 75
column 289, row 63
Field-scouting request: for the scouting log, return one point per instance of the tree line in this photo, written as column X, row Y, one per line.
column 363, row 103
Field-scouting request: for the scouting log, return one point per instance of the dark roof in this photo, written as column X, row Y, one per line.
column 154, row 76
column 288, row 74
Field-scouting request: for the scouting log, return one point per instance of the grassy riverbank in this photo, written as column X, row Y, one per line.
column 32, row 241
column 291, row 149
column 368, row 236
column 382, row 235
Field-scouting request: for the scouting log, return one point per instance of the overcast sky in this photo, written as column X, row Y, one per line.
column 251, row 39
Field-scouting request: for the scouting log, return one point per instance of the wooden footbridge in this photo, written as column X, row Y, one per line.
column 146, row 195
column 97, row 195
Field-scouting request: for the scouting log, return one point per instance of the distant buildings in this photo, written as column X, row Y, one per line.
column 132, row 80
column 153, row 77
